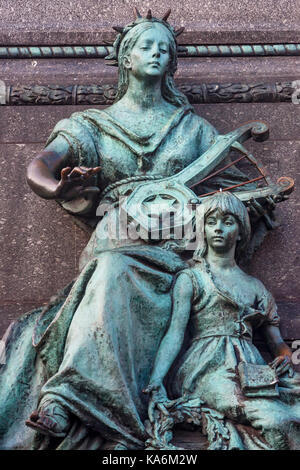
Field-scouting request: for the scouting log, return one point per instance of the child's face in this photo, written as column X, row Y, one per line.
column 221, row 231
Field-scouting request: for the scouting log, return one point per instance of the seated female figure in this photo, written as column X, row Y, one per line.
column 84, row 359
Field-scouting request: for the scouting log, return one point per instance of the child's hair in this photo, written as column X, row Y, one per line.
column 226, row 203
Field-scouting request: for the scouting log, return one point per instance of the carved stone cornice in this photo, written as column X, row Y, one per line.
column 101, row 51
column 90, row 95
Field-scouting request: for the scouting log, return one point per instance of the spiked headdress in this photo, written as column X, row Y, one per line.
column 112, row 58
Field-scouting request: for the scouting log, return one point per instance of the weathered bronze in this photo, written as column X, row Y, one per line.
column 222, row 376
column 76, row 369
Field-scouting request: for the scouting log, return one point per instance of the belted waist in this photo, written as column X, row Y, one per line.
column 219, row 326
column 219, row 335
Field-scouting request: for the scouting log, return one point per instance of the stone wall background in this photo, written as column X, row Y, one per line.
column 40, row 243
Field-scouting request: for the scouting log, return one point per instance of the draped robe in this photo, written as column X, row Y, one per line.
column 92, row 348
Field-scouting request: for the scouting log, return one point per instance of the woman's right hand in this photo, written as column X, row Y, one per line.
column 74, row 183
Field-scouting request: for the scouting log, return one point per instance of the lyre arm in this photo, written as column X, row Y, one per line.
column 218, row 151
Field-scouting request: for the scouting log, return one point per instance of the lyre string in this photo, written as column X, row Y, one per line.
column 234, row 186
column 218, row 171
column 250, row 158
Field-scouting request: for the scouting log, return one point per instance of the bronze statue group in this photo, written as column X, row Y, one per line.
column 144, row 325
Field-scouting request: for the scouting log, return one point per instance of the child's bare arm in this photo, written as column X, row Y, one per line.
column 279, row 349
column 172, row 341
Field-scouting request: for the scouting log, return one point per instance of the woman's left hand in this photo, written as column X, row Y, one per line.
column 282, row 364
column 158, row 400
column 256, row 211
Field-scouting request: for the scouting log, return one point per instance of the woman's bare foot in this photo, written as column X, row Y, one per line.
column 50, row 419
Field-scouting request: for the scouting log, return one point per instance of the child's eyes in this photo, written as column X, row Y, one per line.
column 229, row 222
column 226, row 222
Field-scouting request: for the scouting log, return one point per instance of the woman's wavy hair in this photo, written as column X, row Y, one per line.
column 169, row 90
column 226, row 203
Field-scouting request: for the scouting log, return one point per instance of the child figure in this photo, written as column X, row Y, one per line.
column 221, row 305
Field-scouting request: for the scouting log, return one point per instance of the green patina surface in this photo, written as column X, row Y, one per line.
column 83, row 361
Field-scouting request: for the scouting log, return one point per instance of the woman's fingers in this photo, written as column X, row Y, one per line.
column 77, row 172
column 90, row 190
column 96, row 169
column 271, row 202
column 83, row 172
column 275, row 362
column 282, row 362
column 64, row 173
column 268, row 222
column 256, row 207
column 284, row 367
column 150, row 388
column 73, row 183
column 257, row 210
column 163, row 409
column 77, row 175
column 151, row 409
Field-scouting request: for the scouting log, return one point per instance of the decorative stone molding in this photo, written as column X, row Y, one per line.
column 20, row 95
column 101, row 51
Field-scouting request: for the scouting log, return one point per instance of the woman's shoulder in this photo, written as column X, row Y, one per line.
column 258, row 285
column 206, row 131
column 195, row 277
column 264, row 301
column 90, row 123
column 185, row 284
column 186, row 272
column 114, row 109
column 78, row 121
column 202, row 122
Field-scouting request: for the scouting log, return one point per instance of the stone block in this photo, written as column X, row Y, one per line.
column 9, row 312
column 90, row 21
column 38, row 238
column 196, row 69
column 18, row 123
column 56, row 71
column 283, row 118
column 277, row 262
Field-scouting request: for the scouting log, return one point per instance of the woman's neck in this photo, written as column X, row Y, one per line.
column 145, row 95
column 220, row 260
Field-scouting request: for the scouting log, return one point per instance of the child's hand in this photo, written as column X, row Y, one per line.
column 158, row 399
column 282, row 364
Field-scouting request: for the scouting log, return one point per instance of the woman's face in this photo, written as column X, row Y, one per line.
column 150, row 55
column 221, row 231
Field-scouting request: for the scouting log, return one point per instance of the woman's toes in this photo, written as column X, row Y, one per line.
column 34, row 416
column 47, row 422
